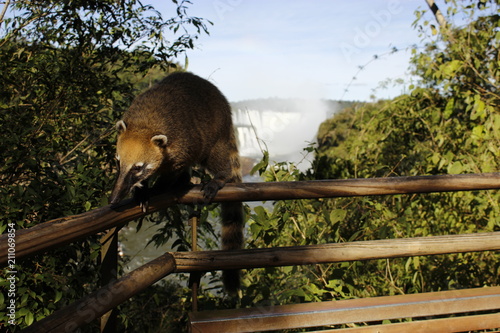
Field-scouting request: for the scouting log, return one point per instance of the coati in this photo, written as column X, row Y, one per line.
column 180, row 122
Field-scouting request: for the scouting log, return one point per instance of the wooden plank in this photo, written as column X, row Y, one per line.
column 68, row 229
column 441, row 325
column 346, row 311
column 109, row 273
column 338, row 252
column 354, row 187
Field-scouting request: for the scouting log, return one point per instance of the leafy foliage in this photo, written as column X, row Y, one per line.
column 69, row 68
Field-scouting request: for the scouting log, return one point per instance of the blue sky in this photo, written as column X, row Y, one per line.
column 303, row 49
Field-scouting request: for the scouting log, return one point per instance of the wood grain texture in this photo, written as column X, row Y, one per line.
column 350, row 311
column 339, row 252
column 108, row 297
column 68, row 229
column 93, row 306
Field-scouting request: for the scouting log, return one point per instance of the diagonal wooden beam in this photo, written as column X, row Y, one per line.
column 95, row 305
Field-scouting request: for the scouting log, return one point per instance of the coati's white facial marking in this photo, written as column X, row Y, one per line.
column 138, row 169
column 136, row 172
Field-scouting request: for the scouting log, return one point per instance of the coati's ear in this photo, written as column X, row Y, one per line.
column 120, row 126
column 160, row 140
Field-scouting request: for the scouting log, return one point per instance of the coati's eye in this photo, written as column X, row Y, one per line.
column 137, row 167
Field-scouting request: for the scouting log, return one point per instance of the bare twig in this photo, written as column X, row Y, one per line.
column 4, row 10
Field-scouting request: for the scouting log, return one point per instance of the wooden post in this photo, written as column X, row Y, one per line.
column 109, row 271
column 195, row 277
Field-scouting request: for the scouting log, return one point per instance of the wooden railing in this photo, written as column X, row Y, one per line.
column 65, row 230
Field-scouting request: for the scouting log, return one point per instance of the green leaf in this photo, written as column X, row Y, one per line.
column 337, row 215
column 58, row 296
column 455, row 168
column 448, row 110
column 22, row 312
column 479, row 108
column 29, row 318
column 478, row 131
column 450, row 68
column 255, row 228
column 262, row 165
column 434, row 30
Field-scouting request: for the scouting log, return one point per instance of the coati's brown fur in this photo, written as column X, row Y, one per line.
column 180, row 122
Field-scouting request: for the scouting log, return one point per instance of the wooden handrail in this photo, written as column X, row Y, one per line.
column 203, row 261
column 68, row 229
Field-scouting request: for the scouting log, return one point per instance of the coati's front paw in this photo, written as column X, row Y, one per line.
column 141, row 196
column 211, row 188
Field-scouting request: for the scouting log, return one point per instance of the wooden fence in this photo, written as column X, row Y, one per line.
column 65, row 230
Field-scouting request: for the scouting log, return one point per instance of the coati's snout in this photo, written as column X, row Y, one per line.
column 123, row 186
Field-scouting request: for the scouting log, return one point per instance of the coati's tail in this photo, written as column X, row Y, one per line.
column 232, row 239
column 233, row 221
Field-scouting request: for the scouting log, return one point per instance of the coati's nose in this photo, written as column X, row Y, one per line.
column 113, row 201
column 119, row 192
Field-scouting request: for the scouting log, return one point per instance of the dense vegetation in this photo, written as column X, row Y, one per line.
column 70, row 67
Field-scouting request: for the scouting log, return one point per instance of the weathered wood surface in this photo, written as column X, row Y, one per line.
column 68, row 229
column 350, row 311
column 451, row 324
column 338, row 252
column 103, row 300
column 95, row 305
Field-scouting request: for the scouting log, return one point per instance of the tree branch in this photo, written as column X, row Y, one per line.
column 437, row 13
column 4, row 10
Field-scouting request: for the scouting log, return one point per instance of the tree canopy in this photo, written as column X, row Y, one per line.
column 69, row 68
